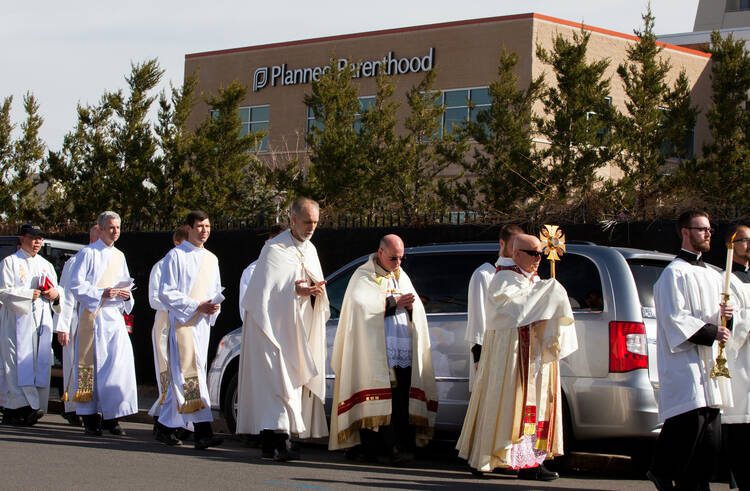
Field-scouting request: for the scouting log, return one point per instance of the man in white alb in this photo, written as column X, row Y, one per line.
column 190, row 290
column 282, row 365
column 273, row 231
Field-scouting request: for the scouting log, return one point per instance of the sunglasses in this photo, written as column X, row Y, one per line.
column 397, row 258
column 532, row 253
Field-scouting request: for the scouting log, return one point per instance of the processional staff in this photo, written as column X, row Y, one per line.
column 720, row 368
column 553, row 240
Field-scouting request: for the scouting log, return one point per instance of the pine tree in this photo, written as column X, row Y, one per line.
column 6, row 155
column 28, row 158
column 505, row 172
column 578, row 115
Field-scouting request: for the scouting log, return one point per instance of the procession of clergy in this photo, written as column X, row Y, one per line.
column 385, row 396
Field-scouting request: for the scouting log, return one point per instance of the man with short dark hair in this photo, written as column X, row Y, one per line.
column 477, row 296
column 190, row 290
column 105, row 368
column 385, row 395
column 29, row 295
column 689, row 308
column 282, row 365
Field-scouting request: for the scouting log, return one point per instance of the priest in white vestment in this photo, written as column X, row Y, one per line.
column 190, row 290
column 66, row 327
column 687, row 298
column 159, row 342
column 29, row 294
column 104, row 371
column 385, row 395
column 247, row 273
column 735, row 421
column 476, row 319
column 282, row 365
column 514, row 418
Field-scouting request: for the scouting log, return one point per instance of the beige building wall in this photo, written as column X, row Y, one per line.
column 465, row 54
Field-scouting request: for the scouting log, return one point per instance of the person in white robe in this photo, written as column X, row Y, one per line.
column 282, row 363
column 190, row 290
column 688, row 303
column 385, row 394
column 476, row 319
column 247, row 273
column 66, row 327
column 104, row 370
column 735, row 421
column 514, row 418
column 159, row 337
column 30, row 294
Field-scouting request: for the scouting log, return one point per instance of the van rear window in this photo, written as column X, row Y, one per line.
column 645, row 273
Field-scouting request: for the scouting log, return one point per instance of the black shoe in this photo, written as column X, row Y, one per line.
column 183, row 434
column 539, row 473
column 73, row 419
column 92, row 432
column 292, row 450
column 209, row 441
column 661, row 483
column 396, row 458
column 282, row 455
column 117, row 430
column 34, row 416
column 355, row 453
column 168, row 438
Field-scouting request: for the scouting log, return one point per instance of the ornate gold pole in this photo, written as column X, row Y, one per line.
column 553, row 240
column 720, row 368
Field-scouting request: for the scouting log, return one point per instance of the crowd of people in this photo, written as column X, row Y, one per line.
column 385, row 396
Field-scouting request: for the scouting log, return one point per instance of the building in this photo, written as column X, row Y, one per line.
column 725, row 16
column 465, row 54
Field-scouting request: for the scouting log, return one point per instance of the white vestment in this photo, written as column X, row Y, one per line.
column 67, row 321
column 25, row 331
column 686, row 298
column 179, row 273
column 738, row 355
column 282, row 365
column 115, row 392
column 244, row 281
column 159, row 333
column 476, row 319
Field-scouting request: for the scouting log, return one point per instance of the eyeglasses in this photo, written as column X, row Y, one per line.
column 704, row 230
column 397, row 258
column 746, row 240
column 532, row 253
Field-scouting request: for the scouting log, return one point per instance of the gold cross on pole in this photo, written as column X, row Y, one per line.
column 553, row 240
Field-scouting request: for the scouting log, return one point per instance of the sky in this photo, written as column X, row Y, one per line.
column 66, row 53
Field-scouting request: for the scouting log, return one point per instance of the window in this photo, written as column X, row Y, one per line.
column 457, row 107
column 253, row 119
column 365, row 103
column 645, row 273
column 442, row 280
column 580, row 277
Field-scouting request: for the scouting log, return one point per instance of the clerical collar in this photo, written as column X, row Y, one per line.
column 300, row 244
column 691, row 257
column 739, row 267
column 381, row 271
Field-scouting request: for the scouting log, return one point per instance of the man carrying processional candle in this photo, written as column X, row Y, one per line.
column 514, row 418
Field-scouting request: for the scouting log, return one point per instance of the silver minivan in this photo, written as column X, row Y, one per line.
column 608, row 384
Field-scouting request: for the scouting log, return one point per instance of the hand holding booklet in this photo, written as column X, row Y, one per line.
column 126, row 284
column 218, row 298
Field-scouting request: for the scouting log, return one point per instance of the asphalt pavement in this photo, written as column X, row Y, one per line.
column 55, row 455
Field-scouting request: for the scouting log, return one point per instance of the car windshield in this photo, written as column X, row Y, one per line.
column 645, row 274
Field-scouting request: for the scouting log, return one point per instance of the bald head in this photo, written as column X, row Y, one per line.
column 390, row 252
column 525, row 249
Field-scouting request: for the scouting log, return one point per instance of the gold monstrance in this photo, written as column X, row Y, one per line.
column 720, row 368
column 553, row 240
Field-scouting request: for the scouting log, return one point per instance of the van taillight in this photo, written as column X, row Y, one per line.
column 628, row 349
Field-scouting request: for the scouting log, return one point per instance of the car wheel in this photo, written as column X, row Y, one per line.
column 229, row 407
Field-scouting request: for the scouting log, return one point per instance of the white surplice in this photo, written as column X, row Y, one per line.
column 686, row 298
column 159, row 332
column 282, row 365
column 476, row 319
column 115, row 392
column 244, row 281
column 67, row 321
column 25, row 331
column 178, row 275
column 738, row 355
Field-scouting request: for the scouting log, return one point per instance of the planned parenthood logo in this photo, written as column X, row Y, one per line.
column 390, row 64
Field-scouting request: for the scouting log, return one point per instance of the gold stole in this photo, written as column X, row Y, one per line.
column 160, row 347
column 186, row 342
column 85, row 390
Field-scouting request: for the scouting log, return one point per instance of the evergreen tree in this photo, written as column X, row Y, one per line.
column 28, row 159
column 336, row 168
column 6, row 155
column 506, row 174
column 721, row 179
column 578, row 117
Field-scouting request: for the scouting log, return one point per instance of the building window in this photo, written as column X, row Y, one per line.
column 735, row 5
column 463, row 105
column 365, row 104
column 254, row 119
